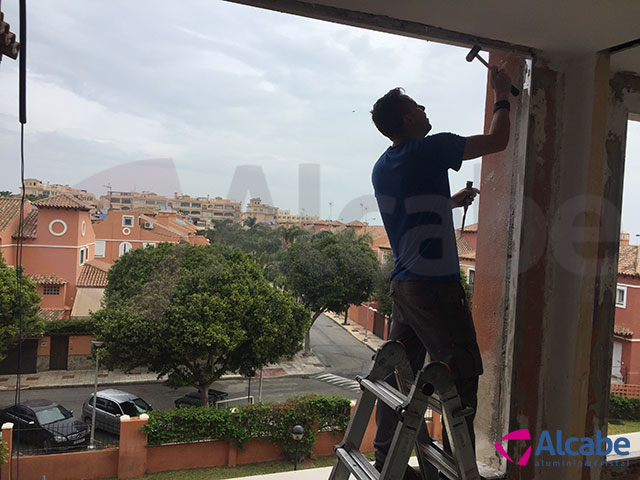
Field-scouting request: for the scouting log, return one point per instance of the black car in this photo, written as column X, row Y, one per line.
column 47, row 424
column 193, row 399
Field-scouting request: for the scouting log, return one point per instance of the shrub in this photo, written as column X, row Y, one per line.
column 4, row 453
column 624, row 408
column 271, row 421
column 71, row 326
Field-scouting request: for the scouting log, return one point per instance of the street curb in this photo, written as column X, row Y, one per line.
column 339, row 322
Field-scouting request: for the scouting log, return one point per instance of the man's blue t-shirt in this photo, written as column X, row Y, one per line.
column 411, row 184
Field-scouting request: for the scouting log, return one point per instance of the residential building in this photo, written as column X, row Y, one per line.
column 129, row 200
column 261, row 212
column 124, row 230
column 57, row 241
column 35, row 187
column 467, row 251
column 625, row 366
column 198, row 210
column 287, row 218
column 203, row 210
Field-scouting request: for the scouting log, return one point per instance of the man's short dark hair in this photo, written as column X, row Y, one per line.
column 387, row 113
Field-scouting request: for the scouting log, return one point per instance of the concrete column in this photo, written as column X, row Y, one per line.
column 7, row 438
column 555, row 384
column 499, row 217
column 547, row 254
column 132, row 455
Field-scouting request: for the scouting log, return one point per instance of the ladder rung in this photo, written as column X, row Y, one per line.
column 357, row 464
column 435, row 405
column 384, row 392
column 440, row 459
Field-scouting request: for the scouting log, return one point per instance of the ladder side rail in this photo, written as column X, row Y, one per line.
column 352, row 462
column 458, row 432
column 357, row 427
column 404, row 438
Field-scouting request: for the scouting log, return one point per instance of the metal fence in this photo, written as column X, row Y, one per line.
column 42, row 440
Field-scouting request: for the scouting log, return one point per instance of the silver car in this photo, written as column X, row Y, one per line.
column 111, row 404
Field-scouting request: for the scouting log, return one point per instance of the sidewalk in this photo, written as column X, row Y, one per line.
column 299, row 366
column 357, row 330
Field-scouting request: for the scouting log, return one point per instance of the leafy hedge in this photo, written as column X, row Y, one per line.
column 72, row 326
column 272, row 421
column 624, row 408
column 4, row 453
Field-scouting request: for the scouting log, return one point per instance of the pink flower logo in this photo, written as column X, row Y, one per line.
column 515, row 435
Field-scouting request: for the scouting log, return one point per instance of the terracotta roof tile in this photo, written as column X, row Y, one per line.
column 29, row 226
column 62, row 200
column 50, row 279
column 628, row 260
column 464, row 249
column 51, row 315
column 9, row 208
column 93, row 274
column 622, row 331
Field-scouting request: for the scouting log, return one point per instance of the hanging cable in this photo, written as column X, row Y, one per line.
column 20, row 243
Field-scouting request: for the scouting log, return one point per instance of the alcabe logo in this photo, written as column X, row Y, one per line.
column 515, row 435
column 600, row 446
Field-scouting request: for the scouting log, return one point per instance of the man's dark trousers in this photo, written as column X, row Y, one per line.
column 432, row 317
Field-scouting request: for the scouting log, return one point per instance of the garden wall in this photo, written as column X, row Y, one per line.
column 133, row 458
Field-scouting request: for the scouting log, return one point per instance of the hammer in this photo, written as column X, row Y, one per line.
column 466, row 207
column 474, row 54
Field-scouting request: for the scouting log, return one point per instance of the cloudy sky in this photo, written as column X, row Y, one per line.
column 211, row 86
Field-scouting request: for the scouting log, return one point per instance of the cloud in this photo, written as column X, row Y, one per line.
column 215, row 85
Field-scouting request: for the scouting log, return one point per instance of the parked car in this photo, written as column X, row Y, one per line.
column 46, row 424
column 111, row 404
column 193, row 399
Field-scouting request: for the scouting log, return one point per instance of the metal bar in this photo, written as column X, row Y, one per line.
column 384, row 392
column 357, row 467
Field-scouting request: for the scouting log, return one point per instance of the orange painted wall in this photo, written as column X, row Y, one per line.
column 59, row 255
column 112, row 231
column 46, row 350
column 191, row 455
column 53, row 301
column 629, row 317
column 69, row 466
column 259, row 451
column 80, row 344
column 6, row 241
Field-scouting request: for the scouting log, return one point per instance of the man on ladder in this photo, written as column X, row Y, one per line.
column 430, row 311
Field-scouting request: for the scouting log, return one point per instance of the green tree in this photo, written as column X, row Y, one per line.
column 381, row 285
column 289, row 235
column 329, row 272
column 468, row 288
column 32, row 324
column 195, row 313
column 5, row 193
column 259, row 240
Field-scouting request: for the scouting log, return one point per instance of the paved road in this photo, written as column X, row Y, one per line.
column 340, row 352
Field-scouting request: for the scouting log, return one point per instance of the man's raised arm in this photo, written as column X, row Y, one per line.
column 498, row 137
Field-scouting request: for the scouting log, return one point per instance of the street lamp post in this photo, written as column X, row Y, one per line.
column 97, row 344
column 297, row 433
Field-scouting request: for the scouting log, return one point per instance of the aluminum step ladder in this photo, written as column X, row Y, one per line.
column 433, row 388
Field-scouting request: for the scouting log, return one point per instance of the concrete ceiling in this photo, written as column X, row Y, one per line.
column 548, row 27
